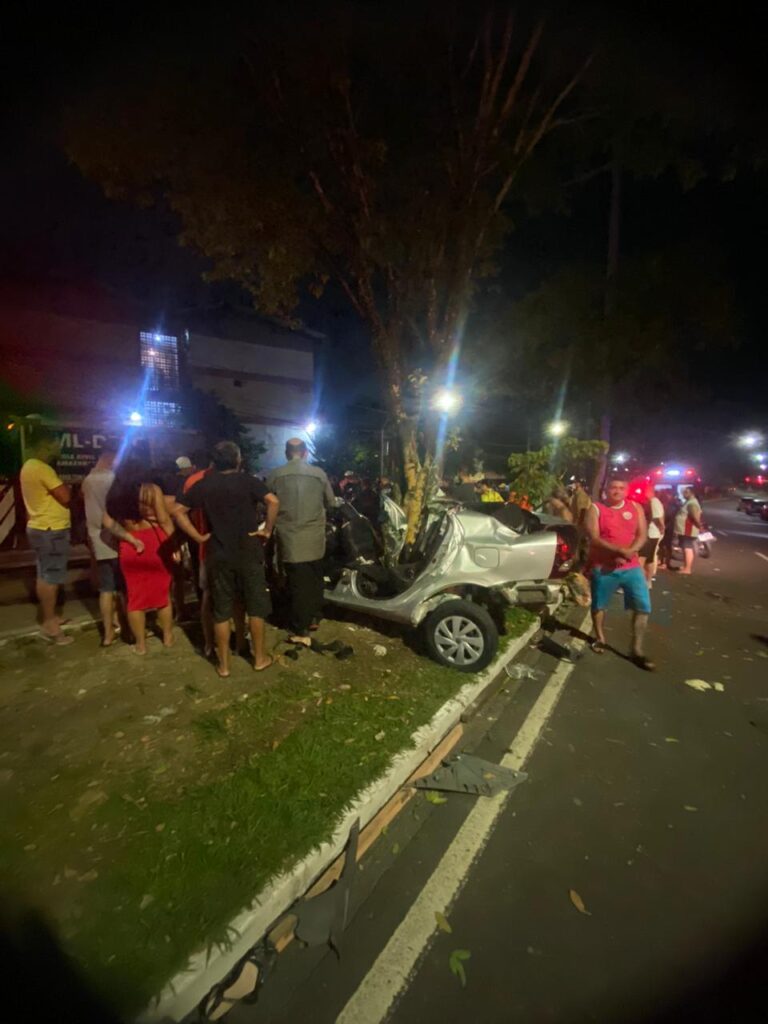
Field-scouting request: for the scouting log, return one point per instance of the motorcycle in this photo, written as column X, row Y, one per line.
column 466, row 566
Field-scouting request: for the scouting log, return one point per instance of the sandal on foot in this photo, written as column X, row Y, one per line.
column 598, row 646
column 264, row 668
column 59, row 639
column 296, row 638
column 642, row 662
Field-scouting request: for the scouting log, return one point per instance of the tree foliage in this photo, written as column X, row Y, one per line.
column 537, row 473
column 344, row 150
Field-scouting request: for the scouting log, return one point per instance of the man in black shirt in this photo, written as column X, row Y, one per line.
column 234, row 555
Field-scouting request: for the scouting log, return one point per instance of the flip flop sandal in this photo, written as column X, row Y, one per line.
column 644, row 663
column 242, row 984
column 331, row 648
column 598, row 646
column 300, row 641
column 59, row 640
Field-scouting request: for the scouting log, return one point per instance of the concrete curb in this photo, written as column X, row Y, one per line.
column 77, row 625
column 205, row 969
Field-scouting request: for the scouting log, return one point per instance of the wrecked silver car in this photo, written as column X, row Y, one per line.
column 467, row 566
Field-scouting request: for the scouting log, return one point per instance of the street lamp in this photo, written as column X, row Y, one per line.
column 750, row 440
column 620, row 458
column 446, row 401
column 557, row 428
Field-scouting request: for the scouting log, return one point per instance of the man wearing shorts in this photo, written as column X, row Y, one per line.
column 101, row 542
column 687, row 528
column 617, row 531
column 47, row 499
column 234, row 558
column 648, row 553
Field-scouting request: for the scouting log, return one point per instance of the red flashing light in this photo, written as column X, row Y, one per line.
column 689, row 472
column 747, row 479
column 659, row 472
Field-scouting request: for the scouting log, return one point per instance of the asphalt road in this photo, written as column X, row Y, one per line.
column 646, row 802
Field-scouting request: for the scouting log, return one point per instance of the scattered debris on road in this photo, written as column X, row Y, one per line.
column 578, row 902
column 473, row 775
column 456, row 964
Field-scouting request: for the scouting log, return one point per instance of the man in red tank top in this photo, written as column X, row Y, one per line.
column 617, row 530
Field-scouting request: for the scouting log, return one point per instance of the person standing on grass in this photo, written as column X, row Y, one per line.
column 687, row 527
column 102, row 543
column 648, row 553
column 305, row 493
column 47, row 499
column 234, row 557
column 138, row 516
column 617, row 531
column 197, row 550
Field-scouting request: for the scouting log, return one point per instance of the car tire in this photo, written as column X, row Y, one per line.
column 461, row 635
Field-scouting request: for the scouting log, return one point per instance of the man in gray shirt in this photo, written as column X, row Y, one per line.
column 305, row 493
column 101, row 542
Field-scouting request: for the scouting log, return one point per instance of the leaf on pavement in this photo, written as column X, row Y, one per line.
column 719, row 687
column 396, row 849
column 435, row 798
column 670, row 739
column 455, row 962
column 442, row 923
column 578, row 902
column 698, row 684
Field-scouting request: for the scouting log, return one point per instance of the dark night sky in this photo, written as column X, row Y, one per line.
column 55, row 224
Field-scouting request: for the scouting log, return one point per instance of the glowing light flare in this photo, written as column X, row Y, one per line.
column 446, row 401
column 312, row 428
column 749, row 440
column 620, row 458
column 135, row 419
column 557, row 428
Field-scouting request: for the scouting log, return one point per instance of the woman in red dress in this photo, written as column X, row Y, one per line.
column 138, row 515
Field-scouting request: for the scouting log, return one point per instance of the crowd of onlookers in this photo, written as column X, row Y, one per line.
column 200, row 525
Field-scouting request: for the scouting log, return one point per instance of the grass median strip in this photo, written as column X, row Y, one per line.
column 149, row 803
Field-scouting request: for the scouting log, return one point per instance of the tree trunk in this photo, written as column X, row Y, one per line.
column 418, row 479
column 601, row 469
column 609, row 308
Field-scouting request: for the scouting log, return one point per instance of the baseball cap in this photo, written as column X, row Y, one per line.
column 183, row 462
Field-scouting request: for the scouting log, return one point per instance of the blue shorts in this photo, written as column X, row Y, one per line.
column 637, row 597
column 52, row 550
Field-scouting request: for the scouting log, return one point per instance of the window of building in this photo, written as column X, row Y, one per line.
column 160, row 360
column 162, row 414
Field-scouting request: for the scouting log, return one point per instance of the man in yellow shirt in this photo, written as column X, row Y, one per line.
column 47, row 499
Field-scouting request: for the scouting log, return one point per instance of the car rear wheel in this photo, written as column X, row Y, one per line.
column 461, row 635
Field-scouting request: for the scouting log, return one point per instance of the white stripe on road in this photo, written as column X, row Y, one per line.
column 761, row 555
column 391, row 969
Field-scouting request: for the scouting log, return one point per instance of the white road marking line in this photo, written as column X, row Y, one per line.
column 722, row 533
column 761, row 555
column 389, row 973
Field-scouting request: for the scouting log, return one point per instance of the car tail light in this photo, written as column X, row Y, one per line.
column 564, row 555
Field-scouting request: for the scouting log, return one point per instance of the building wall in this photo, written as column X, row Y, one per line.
column 78, row 370
column 269, row 386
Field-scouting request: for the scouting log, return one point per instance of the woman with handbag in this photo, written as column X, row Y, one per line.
column 138, row 515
